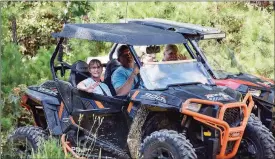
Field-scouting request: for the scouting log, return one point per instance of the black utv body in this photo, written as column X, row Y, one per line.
column 174, row 116
column 262, row 89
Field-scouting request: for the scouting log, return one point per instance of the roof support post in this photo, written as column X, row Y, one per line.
column 53, row 58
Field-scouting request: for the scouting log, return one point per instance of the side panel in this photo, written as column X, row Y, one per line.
column 142, row 102
column 50, row 106
column 51, row 114
column 154, row 101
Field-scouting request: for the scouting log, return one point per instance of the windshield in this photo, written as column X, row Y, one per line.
column 159, row 75
column 221, row 58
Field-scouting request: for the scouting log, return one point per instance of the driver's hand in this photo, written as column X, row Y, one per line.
column 136, row 70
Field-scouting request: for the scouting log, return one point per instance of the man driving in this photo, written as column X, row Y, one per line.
column 124, row 78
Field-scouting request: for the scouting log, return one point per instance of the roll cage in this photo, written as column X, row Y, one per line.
column 191, row 32
column 117, row 33
column 132, row 34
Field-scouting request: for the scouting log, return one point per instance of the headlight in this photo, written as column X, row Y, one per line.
column 195, row 107
column 255, row 92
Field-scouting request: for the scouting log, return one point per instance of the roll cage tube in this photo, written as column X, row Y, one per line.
column 112, row 51
column 53, row 58
column 190, row 51
column 134, row 54
column 202, row 58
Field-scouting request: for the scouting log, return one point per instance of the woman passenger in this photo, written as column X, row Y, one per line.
column 93, row 84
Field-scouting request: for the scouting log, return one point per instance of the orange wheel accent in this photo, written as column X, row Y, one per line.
column 130, row 106
column 227, row 133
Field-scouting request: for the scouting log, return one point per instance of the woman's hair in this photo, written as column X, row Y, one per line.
column 94, row 61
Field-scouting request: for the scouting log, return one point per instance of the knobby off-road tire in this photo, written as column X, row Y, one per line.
column 30, row 136
column 167, row 143
column 260, row 140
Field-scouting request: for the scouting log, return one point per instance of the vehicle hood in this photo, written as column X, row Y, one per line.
column 205, row 92
column 176, row 95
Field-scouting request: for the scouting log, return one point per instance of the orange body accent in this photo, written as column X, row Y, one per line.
column 60, row 111
column 24, row 99
column 72, row 120
column 67, row 147
column 24, row 104
column 130, row 106
column 227, row 133
column 131, row 103
column 99, row 104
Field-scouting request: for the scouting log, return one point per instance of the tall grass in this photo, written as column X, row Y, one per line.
column 50, row 148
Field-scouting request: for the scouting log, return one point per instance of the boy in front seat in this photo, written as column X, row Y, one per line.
column 93, row 84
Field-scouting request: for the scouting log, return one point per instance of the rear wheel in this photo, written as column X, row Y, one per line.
column 167, row 144
column 26, row 140
column 257, row 143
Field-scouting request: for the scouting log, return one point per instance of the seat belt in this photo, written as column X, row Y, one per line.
column 102, row 90
column 138, row 82
column 92, row 79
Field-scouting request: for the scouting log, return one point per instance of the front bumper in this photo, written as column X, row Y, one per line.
column 227, row 133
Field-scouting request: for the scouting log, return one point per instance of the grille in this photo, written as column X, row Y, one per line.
column 233, row 117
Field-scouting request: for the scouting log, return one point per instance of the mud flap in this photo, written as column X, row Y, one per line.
column 52, row 118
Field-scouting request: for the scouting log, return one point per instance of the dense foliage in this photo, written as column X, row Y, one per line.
column 27, row 28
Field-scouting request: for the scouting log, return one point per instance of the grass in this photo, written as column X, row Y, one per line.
column 51, row 148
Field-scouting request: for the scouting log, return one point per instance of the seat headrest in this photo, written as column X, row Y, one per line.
column 77, row 68
column 111, row 66
column 80, row 66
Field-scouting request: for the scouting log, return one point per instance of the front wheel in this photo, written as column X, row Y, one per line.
column 26, row 140
column 257, row 142
column 167, row 144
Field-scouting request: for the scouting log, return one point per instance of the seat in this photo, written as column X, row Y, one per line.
column 79, row 72
column 111, row 66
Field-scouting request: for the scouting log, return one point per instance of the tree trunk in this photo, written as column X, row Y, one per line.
column 14, row 29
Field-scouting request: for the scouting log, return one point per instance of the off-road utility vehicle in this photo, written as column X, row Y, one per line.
column 261, row 88
column 179, row 114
